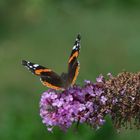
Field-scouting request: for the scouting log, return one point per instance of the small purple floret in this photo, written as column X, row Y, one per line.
column 100, row 79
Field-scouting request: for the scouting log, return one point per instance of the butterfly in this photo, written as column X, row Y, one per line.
column 51, row 79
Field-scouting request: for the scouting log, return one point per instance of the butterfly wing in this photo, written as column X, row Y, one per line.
column 73, row 64
column 47, row 76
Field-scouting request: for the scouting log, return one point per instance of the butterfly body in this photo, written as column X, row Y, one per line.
column 51, row 79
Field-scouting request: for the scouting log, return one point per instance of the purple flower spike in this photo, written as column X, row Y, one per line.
column 117, row 97
column 76, row 104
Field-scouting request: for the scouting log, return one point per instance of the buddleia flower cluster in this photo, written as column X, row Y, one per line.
column 117, row 97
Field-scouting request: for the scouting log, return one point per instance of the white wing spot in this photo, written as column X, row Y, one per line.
column 77, row 39
column 35, row 65
column 74, row 47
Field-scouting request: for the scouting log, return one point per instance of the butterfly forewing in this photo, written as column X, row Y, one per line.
column 47, row 76
column 73, row 64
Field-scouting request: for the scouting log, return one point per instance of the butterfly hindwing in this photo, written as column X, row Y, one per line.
column 52, row 80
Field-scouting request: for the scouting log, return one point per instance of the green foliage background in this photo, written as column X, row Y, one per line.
column 43, row 31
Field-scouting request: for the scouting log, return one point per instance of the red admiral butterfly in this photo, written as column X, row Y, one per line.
column 53, row 80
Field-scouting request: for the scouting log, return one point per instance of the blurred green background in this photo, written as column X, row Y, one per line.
column 43, row 31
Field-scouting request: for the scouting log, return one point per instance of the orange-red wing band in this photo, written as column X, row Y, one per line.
column 39, row 71
column 74, row 55
column 76, row 74
column 51, row 86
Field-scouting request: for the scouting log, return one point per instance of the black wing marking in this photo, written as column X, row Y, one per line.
column 33, row 67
